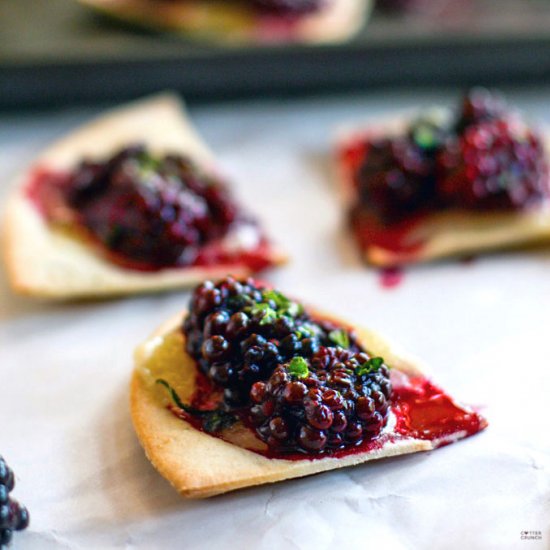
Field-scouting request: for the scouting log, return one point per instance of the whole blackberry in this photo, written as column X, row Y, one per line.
column 151, row 210
column 499, row 164
column 239, row 331
column 479, row 105
column 336, row 399
column 13, row 516
column 288, row 7
column 395, row 179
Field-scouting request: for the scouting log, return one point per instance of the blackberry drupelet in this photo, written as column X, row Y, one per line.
column 479, row 105
column 155, row 210
column 336, row 399
column 498, row 164
column 13, row 516
column 239, row 331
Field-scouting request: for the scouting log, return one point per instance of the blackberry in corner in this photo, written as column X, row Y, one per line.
column 13, row 516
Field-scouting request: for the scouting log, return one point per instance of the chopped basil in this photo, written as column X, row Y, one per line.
column 285, row 306
column 175, row 397
column 148, row 163
column 340, row 337
column 268, row 314
column 370, row 366
column 212, row 421
column 298, row 367
column 216, row 421
column 425, row 138
column 308, row 330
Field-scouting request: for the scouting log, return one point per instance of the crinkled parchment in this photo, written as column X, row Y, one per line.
column 483, row 327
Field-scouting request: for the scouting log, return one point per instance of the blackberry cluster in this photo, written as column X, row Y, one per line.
column 336, row 399
column 239, row 331
column 151, row 210
column 398, row 175
column 495, row 164
column 288, row 7
column 485, row 159
column 13, row 516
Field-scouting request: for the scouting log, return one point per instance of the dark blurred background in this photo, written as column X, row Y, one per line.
column 57, row 52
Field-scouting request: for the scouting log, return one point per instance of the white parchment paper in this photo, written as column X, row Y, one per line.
column 483, row 327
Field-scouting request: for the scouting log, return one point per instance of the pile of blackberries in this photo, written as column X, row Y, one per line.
column 496, row 164
column 304, row 383
column 484, row 159
column 397, row 177
column 239, row 331
column 333, row 400
column 153, row 210
column 13, row 516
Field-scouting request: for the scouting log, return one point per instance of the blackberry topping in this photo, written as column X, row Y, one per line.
column 288, row 7
column 485, row 159
column 155, row 210
column 336, row 399
column 397, row 176
column 239, row 331
column 497, row 164
column 13, row 516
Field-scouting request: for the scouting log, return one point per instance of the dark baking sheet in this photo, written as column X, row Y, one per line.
column 56, row 52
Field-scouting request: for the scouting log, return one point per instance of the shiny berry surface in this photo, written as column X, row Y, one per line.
column 13, row 516
column 498, row 164
column 155, row 210
column 397, row 176
column 339, row 398
column 485, row 159
column 240, row 331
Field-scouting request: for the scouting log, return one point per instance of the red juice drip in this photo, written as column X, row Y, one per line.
column 390, row 277
column 397, row 237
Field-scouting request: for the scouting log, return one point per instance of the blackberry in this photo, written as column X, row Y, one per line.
column 152, row 210
column 479, row 105
column 289, row 7
column 13, row 516
column 484, row 159
column 397, row 176
column 498, row 164
column 337, row 399
column 239, row 331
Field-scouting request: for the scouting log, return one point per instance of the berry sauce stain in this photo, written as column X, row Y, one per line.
column 391, row 277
